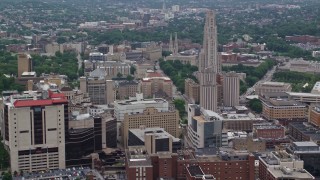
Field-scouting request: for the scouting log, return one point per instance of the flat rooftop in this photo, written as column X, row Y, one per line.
column 280, row 173
column 142, row 101
column 159, row 133
column 137, row 156
column 274, row 84
column 307, row 129
column 305, row 144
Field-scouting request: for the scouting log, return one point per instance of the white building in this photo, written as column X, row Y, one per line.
column 204, row 127
column 34, row 131
column 175, row 8
column 136, row 105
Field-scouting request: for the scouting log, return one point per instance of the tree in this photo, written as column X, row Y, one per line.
column 166, row 53
column 132, row 70
column 130, row 78
column 119, row 75
column 7, row 176
column 255, row 105
column 61, row 40
column 180, row 106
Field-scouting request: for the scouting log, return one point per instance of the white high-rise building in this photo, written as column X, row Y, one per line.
column 209, row 65
column 34, row 131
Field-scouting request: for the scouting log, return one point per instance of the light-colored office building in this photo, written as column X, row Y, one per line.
column 267, row 87
column 100, row 90
column 231, row 89
column 34, row 131
column 137, row 105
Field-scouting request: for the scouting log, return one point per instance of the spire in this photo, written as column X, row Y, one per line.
column 171, row 44
column 164, row 5
column 210, row 44
column 176, row 48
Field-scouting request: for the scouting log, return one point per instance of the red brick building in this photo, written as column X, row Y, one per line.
column 227, row 164
column 268, row 131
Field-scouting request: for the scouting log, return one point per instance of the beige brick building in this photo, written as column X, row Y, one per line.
column 24, row 63
column 192, row 90
column 151, row 117
column 314, row 116
column 158, row 86
column 276, row 108
column 267, row 87
column 126, row 89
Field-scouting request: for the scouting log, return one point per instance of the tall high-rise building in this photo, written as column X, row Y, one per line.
column 35, row 129
column 231, row 88
column 209, row 65
column 24, row 63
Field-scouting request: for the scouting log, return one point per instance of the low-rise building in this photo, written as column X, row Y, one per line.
column 268, row 131
column 303, row 131
column 281, row 165
column 309, row 152
column 249, row 144
column 240, row 122
column 277, row 107
column 267, row 87
column 154, row 139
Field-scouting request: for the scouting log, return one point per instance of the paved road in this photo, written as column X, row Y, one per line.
column 267, row 77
